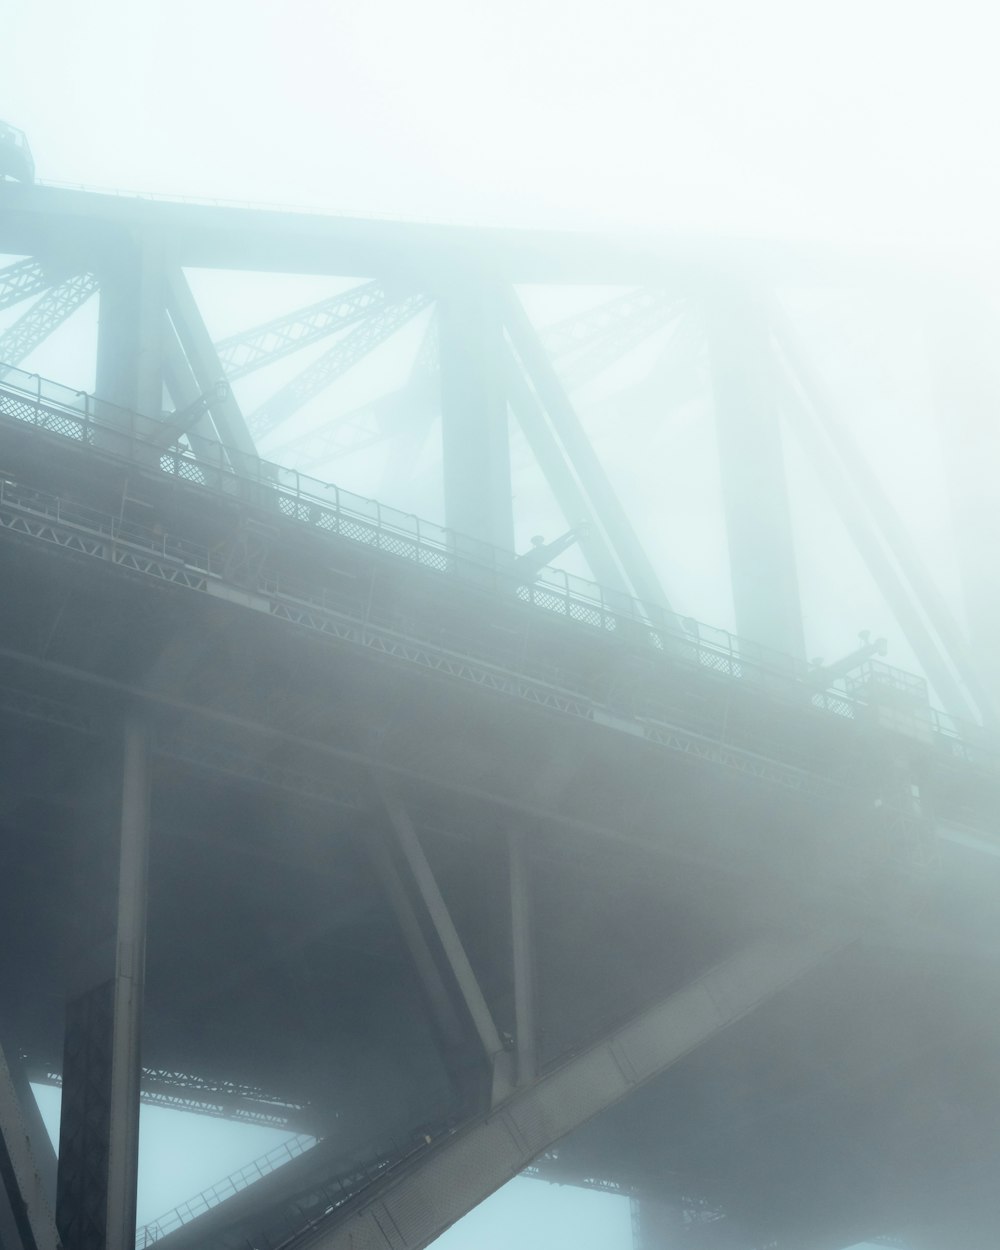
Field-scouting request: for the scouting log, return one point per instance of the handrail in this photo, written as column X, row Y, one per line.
column 325, row 506
column 278, row 1155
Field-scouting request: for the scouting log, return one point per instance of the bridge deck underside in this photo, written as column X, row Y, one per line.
column 275, row 960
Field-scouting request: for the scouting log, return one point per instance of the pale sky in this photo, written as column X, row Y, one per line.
column 870, row 118
column 863, row 120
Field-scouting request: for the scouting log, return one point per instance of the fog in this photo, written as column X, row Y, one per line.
column 867, row 125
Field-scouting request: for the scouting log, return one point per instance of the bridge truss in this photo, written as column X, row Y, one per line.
column 470, row 681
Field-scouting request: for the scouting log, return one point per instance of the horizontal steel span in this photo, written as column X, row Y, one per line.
column 33, row 514
column 38, row 220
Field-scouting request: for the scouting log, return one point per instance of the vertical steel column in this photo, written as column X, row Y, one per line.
column 474, row 433
column 99, row 1129
column 130, row 327
column 965, row 378
column 755, row 494
column 523, row 956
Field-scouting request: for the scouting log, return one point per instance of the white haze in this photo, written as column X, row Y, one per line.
column 863, row 122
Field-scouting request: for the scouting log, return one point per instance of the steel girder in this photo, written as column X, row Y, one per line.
column 26, row 1221
column 205, row 367
column 365, row 426
column 591, row 341
column 129, row 364
column 346, row 352
column 259, row 240
column 587, row 343
column 422, row 1197
column 21, row 280
column 46, row 315
column 252, row 349
column 222, row 1100
column 37, row 517
column 579, row 453
column 878, row 532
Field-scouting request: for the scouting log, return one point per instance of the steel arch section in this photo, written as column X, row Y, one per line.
column 413, row 1205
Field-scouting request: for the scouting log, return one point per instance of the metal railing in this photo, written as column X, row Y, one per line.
column 343, row 1178
column 275, row 1158
column 326, row 508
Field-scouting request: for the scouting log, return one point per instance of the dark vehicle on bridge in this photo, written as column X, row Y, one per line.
column 15, row 156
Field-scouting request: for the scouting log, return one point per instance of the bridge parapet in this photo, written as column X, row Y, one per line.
column 260, row 488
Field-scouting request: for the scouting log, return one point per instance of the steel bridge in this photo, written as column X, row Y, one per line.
column 320, row 815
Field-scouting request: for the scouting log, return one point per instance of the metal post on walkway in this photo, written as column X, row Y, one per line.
column 762, row 565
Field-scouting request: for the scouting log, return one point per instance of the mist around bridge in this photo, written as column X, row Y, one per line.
column 868, row 126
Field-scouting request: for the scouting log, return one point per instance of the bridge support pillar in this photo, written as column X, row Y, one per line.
column 523, row 956
column 130, row 329
column 99, row 1128
column 474, row 426
column 762, row 565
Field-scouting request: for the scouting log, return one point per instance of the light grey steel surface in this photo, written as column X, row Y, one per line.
column 475, row 445
column 267, row 239
column 762, row 558
column 569, row 495
column 130, row 325
column 346, row 352
column 241, row 354
column 410, row 1211
column 26, row 1220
